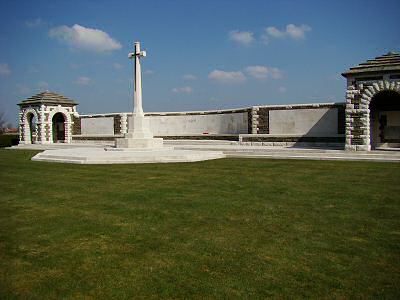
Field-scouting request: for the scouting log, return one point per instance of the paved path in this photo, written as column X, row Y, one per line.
column 233, row 149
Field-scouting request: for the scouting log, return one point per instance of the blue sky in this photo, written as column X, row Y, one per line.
column 201, row 54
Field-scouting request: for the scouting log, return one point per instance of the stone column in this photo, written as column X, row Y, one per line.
column 137, row 96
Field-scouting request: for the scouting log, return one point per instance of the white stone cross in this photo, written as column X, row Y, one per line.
column 139, row 134
column 137, row 96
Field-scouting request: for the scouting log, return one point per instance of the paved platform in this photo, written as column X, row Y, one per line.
column 97, row 155
column 202, row 150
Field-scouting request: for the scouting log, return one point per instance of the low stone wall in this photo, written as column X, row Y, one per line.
column 215, row 137
column 271, row 125
column 170, row 123
column 103, row 125
column 322, row 119
column 197, row 123
column 111, row 138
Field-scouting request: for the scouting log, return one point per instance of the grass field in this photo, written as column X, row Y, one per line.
column 230, row 228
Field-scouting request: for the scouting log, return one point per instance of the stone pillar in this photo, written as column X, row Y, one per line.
column 357, row 120
column 41, row 137
column 67, row 127
column 254, row 120
column 124, row 123
column 21, row 127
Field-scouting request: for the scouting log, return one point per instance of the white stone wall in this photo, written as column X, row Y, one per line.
column 97, row 126
column 227, row 123
column 315, row 122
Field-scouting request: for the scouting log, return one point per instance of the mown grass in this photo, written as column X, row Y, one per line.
column 231, row 228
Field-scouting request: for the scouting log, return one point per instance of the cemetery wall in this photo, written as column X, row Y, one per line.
column 269, row 124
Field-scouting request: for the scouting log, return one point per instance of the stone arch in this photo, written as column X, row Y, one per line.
column 58, row 127
column 67, row 124
column 358, row 100
column 27, row 131
column 384, row 119
column 377, row 87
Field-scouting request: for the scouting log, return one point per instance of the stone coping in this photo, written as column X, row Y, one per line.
column 222, row 111
column 166, row 135
column 97, row 135
column 289, row 135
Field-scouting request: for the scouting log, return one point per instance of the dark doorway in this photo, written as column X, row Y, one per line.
column 32, row 127
column 58, row 128
column 385, row 120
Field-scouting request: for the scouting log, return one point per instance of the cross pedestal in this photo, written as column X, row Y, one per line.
column 139, row 135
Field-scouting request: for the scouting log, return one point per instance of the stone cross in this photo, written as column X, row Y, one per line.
column 137, row 96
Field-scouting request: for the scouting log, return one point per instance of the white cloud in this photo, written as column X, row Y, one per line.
column 43, row 85
column 189, row 77
column 274, row 32
column 263, row 72
column 117, row 66
column 34, row 23
column 83, row 38
column 297, row 32
column 292, row 31
column 83, row 80
column 227, row 77
column 4, row 70
column 241, row 37
column 258, row 72
column 275, row 73
column 182, row 90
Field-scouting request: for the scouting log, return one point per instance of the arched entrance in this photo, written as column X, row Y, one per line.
column 385, row 120
column 58, row 128
column 31, row 120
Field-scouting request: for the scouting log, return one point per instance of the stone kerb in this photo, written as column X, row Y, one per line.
column 358, row 99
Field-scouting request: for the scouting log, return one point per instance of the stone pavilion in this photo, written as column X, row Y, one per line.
column 46, row 118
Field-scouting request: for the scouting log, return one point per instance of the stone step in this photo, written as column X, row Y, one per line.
column 100, row 156
column 313, row 156
column 199, row 142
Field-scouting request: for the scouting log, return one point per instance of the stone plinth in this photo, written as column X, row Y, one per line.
column 135, row 143
column 139, row 136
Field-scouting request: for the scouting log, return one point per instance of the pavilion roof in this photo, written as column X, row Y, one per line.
column 382, row 64
column 48, row 98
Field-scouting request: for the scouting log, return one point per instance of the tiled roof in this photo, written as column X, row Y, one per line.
column 48, row 98
column 385, row 63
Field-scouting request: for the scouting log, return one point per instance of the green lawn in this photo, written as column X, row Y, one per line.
column 230, row 228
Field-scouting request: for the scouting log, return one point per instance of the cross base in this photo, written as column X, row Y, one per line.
column 139, row 143
column 139, row 135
